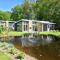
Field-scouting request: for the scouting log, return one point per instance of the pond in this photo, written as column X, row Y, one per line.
column 40, row 47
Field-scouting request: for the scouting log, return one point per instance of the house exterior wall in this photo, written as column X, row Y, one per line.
column 30, row 26
column 18, row 26
column 39, row 27
column 22, row 26
column 45, row 27
column 48, row 27
column 15, row 26
column 3, row 24
column 8, row 25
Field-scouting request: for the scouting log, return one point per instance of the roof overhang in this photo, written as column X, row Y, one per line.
column 44, row 22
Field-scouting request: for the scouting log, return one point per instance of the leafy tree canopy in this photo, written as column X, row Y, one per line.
column 5, row 15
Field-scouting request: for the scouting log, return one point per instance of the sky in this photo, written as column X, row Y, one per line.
column 6, row 5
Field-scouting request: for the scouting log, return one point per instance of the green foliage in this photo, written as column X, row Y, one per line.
column 5, row 15
column 53, row 33
column 25, row 11
column 13, row 51
column 49, row 10
column 15, row 33
column 1, row 29
column 38, row 10
column 17, row 13
column 21, row 55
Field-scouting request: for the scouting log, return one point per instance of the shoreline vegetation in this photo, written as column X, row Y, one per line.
column 57, row 34
column 9, row 52
column 15, row 33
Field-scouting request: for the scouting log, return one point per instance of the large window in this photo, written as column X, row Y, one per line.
column 19, row 26
column 25, row 26
column 51, row 27
column 34, row 26
column 44, row 27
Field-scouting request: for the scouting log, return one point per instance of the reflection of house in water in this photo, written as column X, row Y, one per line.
column 25, row 25
column 27, row 41
column 48, row 38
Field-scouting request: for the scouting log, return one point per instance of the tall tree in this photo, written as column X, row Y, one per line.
column 5, row 15
column 24, row 11
column 17, row 13
column 28, row 9
column 49, row 10
column 38, row 9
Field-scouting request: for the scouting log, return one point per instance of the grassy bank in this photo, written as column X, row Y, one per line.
column 50, row 33
column 15, row 33
column 4, row 56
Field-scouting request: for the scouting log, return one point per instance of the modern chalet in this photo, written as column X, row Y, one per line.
column 25, row 25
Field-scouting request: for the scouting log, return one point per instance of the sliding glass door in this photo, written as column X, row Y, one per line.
column 25, row 25
column 34, row 26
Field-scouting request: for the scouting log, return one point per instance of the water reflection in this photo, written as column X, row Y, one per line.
column 40, row 47
column 27, row 41
column 30, row 40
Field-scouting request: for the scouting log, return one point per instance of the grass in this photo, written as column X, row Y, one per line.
column 15, row 33
column 4, row 56
column 50, row 33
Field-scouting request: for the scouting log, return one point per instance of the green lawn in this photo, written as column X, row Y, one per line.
column 4, row 57
column 50, row 33
column 15, row 33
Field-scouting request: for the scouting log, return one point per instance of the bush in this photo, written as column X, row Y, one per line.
column 13, row 51
column 2, row 29
column 21, row 56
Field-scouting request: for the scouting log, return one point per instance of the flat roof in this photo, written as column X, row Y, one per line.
column 45, row 22
column 5, row 21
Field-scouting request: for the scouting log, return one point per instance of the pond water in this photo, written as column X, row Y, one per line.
column 40, row 47
column 33, row 41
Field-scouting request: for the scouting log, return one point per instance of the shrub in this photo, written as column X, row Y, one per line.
column 13, row 51
column 2, row 29
column 21, row 56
